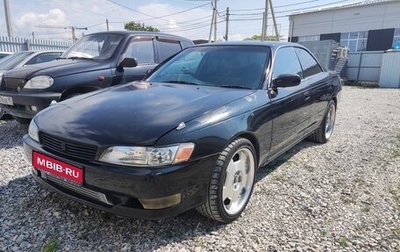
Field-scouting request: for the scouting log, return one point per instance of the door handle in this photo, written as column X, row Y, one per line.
column 306, row 96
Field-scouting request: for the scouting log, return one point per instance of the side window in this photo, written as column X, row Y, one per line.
column 142, row 50
column 43, row 58
column 309, row 64
column 168, row 48
column 186, row 43
column 286, row 62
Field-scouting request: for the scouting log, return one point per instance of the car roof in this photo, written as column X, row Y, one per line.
column 271, row 44
column 138, row 33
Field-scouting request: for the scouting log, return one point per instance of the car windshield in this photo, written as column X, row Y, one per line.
column 11, row 61
column 95, row 46
column 229, row 66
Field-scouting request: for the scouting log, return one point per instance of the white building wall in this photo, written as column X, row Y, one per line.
column 356, row 18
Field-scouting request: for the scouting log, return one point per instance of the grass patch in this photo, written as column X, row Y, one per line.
column 359, row 181
column 281, row 177
column 84, row 235
column 343, row 241
column 366, row 209
column 201, row 243
column 51, row 245
column 396, row 232
column 395, row 192
column 338, row 184
column 396, row 149
column 310, row 168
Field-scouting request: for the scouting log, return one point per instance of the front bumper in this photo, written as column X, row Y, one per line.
column 28, row 104
column 119, row 190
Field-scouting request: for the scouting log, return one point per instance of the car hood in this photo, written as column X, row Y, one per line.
column 137, row 113
column 57, row 68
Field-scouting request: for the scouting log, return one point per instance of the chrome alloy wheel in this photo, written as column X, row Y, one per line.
column 239, row 179
column 330, row 121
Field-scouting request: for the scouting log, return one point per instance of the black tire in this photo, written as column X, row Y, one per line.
column 325, row 130
column 238, row 158
column 1, row 113
column 23, row 121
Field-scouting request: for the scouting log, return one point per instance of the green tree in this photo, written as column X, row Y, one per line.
column 258, row 37
column 136, row 26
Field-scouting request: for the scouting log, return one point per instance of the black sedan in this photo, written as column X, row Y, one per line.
column 191, row 136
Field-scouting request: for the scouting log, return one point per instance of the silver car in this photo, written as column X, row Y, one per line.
column 25, row 58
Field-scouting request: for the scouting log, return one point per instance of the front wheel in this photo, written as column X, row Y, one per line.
column 232, row 182
column 325, row 130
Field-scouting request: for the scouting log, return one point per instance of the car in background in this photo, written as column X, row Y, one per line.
column 25, row 58
column 4, row 54
column 96, row 61
column 192, row 135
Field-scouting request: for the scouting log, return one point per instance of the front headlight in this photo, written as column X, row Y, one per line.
column 147, row 156
column 33, row 131
column 39, row 82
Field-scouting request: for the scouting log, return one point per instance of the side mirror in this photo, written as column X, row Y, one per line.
column 128, row 62
column 286, row 80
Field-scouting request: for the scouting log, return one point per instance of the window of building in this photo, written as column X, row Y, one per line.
column 396, row 38
column 354, row 41
column 308, row 38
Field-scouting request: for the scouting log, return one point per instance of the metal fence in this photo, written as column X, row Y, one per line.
column 364, row 66
column 11, row 44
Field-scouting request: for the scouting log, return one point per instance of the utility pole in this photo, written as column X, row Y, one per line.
column 227, row 24
column 214, row 22
column 264, row 32
column 274, row 20
column 265, row 22
column 107, row 24
column 211, row 26
column 8, row 18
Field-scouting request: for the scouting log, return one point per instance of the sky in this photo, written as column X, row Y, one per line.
column 53, row 19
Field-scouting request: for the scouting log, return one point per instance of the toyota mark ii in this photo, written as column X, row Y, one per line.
column 192, row 135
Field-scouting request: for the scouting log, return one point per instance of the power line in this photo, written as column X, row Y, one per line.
column 281, row 6
column 154, row 17
column 197, row 7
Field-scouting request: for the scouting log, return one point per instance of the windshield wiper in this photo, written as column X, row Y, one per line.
column 234, row 86
column 180, row 82
column 75, row 57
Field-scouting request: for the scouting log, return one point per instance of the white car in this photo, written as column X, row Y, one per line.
column 24, row 58
column 4, row 54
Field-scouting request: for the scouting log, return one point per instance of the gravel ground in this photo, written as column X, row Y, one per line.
column 341, row 196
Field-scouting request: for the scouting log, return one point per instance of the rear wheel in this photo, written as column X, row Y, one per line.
column 232, row 182
column 325, row 130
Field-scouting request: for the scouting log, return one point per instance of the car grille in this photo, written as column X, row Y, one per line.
column 12, row 84
column 68, row 148
column 78, row 189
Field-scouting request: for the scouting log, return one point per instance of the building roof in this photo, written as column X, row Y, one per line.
column 342, row 6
